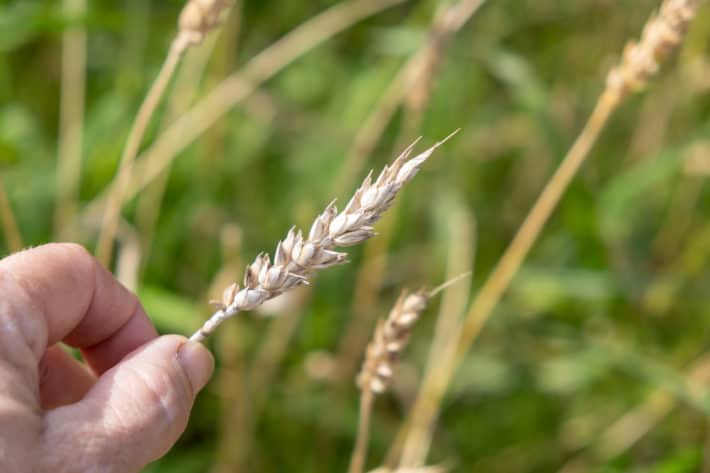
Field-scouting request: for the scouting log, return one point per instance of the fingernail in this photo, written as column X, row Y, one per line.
column 198, row 363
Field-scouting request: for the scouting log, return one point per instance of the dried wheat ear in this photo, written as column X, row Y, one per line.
column 390, row 339
column 662, row 33
column 298, row 256
column 199, row 17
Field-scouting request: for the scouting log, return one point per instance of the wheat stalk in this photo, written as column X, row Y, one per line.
column 413, row 441
column 640, row 62
column 234, row 89
column 11, row 231
column 71, row 117
column 390, row 339
column 298, row 256
column 414, row 78
column 197, row 19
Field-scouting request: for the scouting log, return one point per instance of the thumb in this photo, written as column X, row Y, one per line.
column 135, row 412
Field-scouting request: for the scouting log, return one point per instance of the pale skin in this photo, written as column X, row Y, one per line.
column 121, row 409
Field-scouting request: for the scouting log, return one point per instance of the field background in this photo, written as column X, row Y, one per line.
column 611, row 309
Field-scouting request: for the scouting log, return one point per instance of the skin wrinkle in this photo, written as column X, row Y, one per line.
column 160, row 390
column 35, row 336
column 82, row 262
column 87, row 458
column 98, row 451
column 135, row 310
column 92, row 299
column 121, row 434
column 74, row 338
column 44, row 375
column 18, row 356
column 62, row 378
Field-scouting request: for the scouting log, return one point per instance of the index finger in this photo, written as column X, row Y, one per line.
column 59, row 292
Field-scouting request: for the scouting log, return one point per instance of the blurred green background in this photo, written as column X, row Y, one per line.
column 610, row 310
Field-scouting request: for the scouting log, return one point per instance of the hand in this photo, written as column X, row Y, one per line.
column 125, row 409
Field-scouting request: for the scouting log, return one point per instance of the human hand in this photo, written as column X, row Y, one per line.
column 57, row 415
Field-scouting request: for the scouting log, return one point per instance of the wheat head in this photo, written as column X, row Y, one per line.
column 297, row 256
column 390, row 339
column 641, row 59
column 199, row 17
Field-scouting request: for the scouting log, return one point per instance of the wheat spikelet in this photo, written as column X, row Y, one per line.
column 199, row 17
column 661, row 35
column 390, row 339
column 297, row 256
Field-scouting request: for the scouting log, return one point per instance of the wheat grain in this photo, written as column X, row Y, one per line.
column 298, row 256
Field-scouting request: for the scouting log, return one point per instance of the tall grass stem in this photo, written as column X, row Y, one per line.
column 71, row 117
column 357, row 462
column 117, row 191
column 11, row 231
column 492, row 290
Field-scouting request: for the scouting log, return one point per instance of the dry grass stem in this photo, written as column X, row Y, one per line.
column 264, row 369
column 71, row 117
column 298, row 256
column 640, row 61
column 390, row 339
column 11, row 231
column 185, row 89
column 418, row 432
column 197, row 19
column 413, row 82
column 238, row 87
column 231, row 351
column 129, row 257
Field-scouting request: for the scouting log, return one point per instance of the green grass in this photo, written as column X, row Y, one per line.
column 519, row 80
